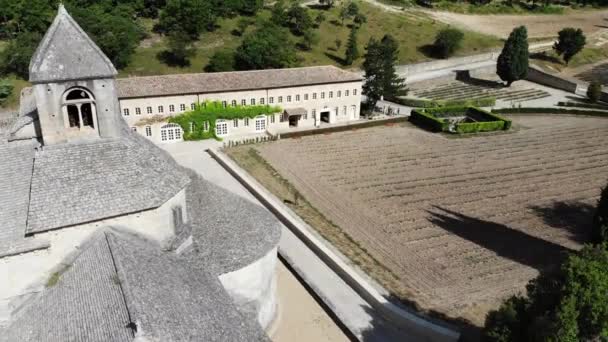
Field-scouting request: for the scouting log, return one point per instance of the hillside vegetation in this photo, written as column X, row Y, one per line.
column 412, row 30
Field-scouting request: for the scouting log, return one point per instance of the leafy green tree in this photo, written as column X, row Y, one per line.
column 179, row 50
column 116, row 34
column 279, row 13
column 266, row 48
column 189, row 16
column 33, row 16
column 447, row 42
column 298, row 19
column 309, row 39
column 352, row 50
column 6, row 89
column 242, row 25
column 360, row 19
column 594, row 91
column 381, row 78
column 570, row 42
column 222, row 60
column 569, row 305
column 600, row 219
column 16, row 56
column 319, row 19
column 512, row 64
column 348, row 10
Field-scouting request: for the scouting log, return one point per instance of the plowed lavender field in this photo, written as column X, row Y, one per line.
column 462, row 222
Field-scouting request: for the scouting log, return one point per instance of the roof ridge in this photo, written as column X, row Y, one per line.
column 234, row 72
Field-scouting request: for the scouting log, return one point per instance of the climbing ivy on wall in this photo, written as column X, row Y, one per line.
column 210, row 112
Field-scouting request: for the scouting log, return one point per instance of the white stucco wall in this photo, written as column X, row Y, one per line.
column 253, row 288
column 315, row 99
column 28, row 273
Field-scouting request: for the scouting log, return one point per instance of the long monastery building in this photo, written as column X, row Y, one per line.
column 308, row 97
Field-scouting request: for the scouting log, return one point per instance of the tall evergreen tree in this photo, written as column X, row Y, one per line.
column 512, row 64
column 381, row 78
column 352, row 51
column 570, row 42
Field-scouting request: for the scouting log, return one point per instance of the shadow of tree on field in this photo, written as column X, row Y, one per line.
column 543, row 56
column 464, row 76
column 335, row 58
column 572, row 216
column 506, row 242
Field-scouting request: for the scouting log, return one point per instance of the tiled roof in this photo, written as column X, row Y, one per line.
column 229, row 232
column 85, row 304
column 120, row 279
column 170, row 301
column 15, row 173
column 231, row 81
column 79, row 183
column 67, row 53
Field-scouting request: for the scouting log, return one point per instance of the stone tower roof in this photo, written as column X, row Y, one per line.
column 67, row 53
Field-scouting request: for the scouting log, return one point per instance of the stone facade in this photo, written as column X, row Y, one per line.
column 328, row 103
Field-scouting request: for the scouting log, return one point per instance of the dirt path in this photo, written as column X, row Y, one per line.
column 538, row 25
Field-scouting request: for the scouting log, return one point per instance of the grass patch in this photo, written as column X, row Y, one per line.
column 12, row 102
column 54, row 278
column 497, row 8
column 412, row 30
column 550, row 61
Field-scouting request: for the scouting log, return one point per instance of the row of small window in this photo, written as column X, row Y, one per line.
column 252, row 102
column 161, row 109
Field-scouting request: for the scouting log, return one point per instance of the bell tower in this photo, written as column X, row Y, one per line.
column 74, row 85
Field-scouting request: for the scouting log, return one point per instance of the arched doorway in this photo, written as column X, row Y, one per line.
column 171, row 132
column 79, row 109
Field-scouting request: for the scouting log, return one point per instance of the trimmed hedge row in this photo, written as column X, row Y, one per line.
column 434, row 120
column 529, row 110
column 419, row 103
column 583, row 105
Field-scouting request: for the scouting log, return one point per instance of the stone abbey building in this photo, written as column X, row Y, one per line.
column 308, row 97
column 103, row 237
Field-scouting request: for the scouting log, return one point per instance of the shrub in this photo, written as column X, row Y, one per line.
column 570, row 42
column 419, row 103
column 447, row 42
column 430, row 122
column 209, row 112
column 527, row 110
column 222, row 60
column 583, row 105
column 594, row 91
column 600, row 220
column 6, row 89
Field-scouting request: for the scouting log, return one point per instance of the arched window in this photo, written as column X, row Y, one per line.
column 171, row 132
column 79, row 107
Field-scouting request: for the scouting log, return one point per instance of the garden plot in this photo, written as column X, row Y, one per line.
column 458, row 90
column 463, row 223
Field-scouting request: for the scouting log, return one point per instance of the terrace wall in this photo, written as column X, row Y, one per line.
column 537, row 76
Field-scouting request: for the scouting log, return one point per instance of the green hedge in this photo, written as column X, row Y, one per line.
column 583, row 105
column 419, row 103
column 428, row 121
column 434, row 120
column 526, row 110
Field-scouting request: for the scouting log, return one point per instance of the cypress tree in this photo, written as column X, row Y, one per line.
column 512, row 64
column 352, row 51
column 381, row 78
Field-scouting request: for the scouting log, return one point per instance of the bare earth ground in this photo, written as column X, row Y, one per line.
column 301, row 319
column 538, row 25
column 463, row 222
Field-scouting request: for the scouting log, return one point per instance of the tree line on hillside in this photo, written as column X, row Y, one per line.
column 530, row 4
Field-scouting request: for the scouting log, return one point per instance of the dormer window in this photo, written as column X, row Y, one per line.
column 79, row 107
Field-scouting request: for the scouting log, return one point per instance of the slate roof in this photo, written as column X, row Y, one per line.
column 15, row 173
column 118, row 279
column 229, row 232
column 67, row 53
column 83, row 182
column 231, row 81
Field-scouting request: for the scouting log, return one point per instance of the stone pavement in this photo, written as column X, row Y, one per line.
column 351, row 310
